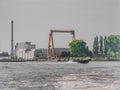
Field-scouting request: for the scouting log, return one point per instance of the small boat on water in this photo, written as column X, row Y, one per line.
column 81, row 60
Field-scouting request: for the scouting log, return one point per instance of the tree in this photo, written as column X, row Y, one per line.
column 95, row 46
column 113, row 45
column 89, row 53
column 105, row 45
column 64, row 54
column 78, row 48
column 101, row 45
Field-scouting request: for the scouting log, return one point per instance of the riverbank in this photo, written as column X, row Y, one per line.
column 55, row 60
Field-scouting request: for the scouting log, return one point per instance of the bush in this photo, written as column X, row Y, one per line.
column 99, row 59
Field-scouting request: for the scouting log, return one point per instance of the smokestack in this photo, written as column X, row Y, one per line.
column 12, row 41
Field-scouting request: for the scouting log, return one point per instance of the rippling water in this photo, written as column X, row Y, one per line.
column 59, row 76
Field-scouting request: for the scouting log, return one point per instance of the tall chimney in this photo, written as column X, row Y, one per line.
column 12, row 41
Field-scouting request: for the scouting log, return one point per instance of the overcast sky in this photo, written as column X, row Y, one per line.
column 34, row 18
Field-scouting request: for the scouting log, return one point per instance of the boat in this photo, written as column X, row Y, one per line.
column 83, row 61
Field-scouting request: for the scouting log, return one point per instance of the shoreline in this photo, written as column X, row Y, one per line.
column 19, row 60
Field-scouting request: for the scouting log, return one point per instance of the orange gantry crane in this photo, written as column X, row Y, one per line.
column 51, row 42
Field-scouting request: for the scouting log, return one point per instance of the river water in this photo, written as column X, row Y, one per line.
column 59, row 76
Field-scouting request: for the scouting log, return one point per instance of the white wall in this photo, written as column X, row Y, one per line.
column 29, row 55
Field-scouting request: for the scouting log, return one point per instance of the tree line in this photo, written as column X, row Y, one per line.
column 109, row 46
column 99, row 46
column 102, row 46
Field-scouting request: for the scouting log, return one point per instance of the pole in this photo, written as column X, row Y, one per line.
column 12, row 41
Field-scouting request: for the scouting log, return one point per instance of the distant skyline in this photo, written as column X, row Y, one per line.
column 33, row 19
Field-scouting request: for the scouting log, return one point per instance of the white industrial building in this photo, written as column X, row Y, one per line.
column 25, row 50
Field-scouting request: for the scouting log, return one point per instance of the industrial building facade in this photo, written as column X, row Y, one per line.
column 40, row 53
column 4, row 55
column 58, row 51
column 25, row 50
column 28, row 51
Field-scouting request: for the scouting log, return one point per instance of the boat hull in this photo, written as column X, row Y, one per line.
column 82, row 61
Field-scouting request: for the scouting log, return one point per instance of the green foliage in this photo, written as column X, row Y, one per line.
column 78, row 48
column 105, row 45
column 64, row 54
column 101, row 45
column 95, row 46
column 99, row 59
column 113, row 45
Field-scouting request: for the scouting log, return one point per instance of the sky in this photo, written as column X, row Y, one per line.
column 33, row 19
